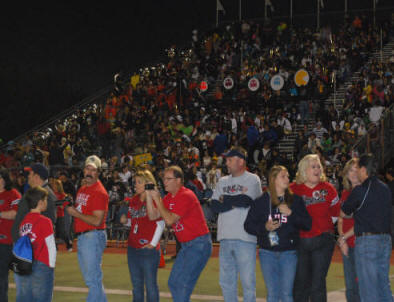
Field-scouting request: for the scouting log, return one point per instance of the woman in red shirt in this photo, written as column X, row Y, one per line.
column 316, row 245
column 146, row 227
column 346, row 240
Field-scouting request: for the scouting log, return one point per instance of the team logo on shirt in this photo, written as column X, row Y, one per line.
column 27, row 229
column 3, row 237
column 318, row 196
column 234, row 189
column 81, row 200
column 137, row 213
column 178, row 227
column 1, row 202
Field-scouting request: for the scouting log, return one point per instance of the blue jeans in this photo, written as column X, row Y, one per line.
column 91, row 246
column 237, row 257
column 314, row 259
column 279, row 269
column 5, row 258
column 143, row 266
column 36, row 287
column 349, row 269
column 372, row 254
column 190, row 261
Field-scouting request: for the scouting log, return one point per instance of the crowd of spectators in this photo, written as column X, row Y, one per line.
column 162, row 111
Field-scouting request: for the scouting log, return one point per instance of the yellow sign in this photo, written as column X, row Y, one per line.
column 142, row 159
column 301, row 78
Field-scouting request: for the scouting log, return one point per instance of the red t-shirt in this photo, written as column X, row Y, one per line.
column 9, row 200
column 192, row 221
column 40, row 231
column 142, row 229
column 89, row 199
column 322, row 203
column 348, row 223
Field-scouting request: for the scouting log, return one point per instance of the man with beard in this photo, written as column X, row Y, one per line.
column 89, row 212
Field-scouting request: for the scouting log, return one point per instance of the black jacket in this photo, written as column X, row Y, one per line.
column 288, row 232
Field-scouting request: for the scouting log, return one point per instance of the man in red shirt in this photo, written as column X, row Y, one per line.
column 89, row 212
column 181, row 209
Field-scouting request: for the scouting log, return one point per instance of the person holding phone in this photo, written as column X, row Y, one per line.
column 276, row 219
column 146, row 228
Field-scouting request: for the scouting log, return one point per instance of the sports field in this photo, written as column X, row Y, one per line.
column 69, row 285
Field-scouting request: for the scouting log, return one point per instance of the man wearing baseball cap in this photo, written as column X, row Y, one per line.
column 37, row 177
column 90, row 212
column 232, row 198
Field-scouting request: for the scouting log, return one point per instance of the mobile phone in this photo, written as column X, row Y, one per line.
column 149, row 187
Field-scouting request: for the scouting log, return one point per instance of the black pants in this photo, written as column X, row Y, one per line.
column 314, row 258
column 5, row 258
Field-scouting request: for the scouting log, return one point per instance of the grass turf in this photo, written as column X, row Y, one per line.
column 116, row 276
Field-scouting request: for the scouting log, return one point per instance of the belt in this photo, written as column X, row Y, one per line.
column 371, row 233
column 84, row 232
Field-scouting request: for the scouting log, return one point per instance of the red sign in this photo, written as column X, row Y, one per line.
column 203, row 86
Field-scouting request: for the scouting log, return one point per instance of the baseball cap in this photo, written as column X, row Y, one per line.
column 39, row 169
column 238, row 152
column 93, row 161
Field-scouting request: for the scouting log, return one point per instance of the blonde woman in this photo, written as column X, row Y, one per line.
column 346, row 240
column 316, row 245
column 143, row 252
column 276, row 219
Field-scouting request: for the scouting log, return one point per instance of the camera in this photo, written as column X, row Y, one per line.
column 149, row 187
column 68, row 200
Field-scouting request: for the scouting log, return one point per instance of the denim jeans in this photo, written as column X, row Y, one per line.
column 303, row 108
column 237, row 257
column 143, row 266
column 314, row 258
column 372, row 255
column 351, row 282
column 91, row 246
column 189, row 263
column 278, row 270
column 36, row 287
column 5, row 258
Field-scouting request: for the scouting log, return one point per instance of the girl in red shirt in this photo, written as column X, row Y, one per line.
column 143, row 252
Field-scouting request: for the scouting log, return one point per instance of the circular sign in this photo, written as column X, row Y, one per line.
column 254, row 84
column 301, row 78
column 277, row 82
column 203, row 86
column 228, row 83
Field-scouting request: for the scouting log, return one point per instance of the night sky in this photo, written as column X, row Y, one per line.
column 53, row 56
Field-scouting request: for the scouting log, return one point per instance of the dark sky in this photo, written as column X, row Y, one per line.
column 53, row 56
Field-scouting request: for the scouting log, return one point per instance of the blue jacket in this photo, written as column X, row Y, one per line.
column 288, row 232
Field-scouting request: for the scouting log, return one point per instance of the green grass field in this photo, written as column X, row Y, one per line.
column 116, row 276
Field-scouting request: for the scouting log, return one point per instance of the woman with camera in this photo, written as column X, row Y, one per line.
column 276, row 219
column 316, row 245
column 146, row 227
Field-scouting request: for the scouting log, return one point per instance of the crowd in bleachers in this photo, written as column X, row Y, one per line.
column 162, row 111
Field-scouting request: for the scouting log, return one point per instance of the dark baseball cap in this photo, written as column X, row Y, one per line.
column 39, row 169
column 238, row 152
